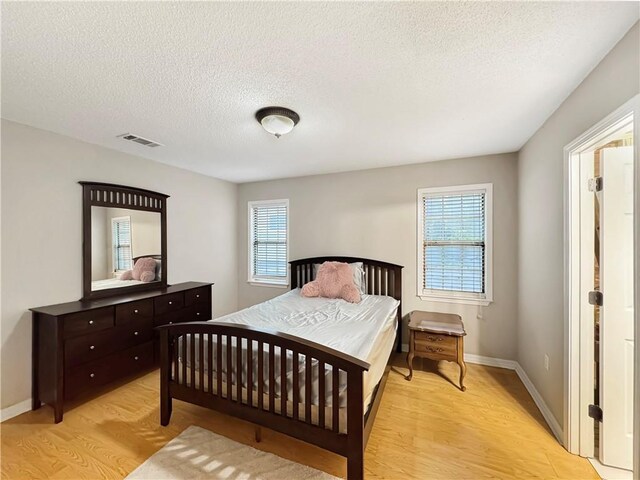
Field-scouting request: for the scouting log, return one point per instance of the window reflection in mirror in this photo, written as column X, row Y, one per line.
column 120, row 238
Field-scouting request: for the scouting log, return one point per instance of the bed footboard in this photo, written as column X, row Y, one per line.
column 200, row 365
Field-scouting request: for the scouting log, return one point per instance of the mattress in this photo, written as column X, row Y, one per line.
column 365, row 330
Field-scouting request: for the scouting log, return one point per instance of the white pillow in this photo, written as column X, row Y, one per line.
column 358, row 275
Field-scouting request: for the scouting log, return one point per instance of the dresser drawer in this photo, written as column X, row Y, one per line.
column 182, row 315
column 200, row 295
column 168, row 303
column 88, row 322
column 127, row 312
column 120, row 364
column 198, row 313
column 87, row 348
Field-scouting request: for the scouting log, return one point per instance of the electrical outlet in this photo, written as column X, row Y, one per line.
column 546, row 362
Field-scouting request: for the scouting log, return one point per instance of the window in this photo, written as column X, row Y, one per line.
column 269, row 242
column 454, row 244
column 121, row 242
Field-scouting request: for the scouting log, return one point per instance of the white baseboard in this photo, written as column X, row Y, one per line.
column 15, row 410
column 540, row 403
column 513, row 365
column 490, row 361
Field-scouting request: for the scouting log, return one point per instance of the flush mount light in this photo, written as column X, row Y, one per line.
column 277, row 120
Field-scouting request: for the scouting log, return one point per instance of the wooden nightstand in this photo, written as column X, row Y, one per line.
column 437, row 336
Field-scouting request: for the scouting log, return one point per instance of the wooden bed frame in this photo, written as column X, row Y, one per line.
column 216, row 390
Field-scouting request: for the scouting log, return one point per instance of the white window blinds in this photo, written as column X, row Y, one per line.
column 268, row 243
column 454, row 242
column 121, row 231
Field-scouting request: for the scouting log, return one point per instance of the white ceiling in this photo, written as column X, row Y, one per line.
column 375, row 84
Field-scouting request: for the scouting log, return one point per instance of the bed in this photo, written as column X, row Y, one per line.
column 311, row 368
column 116, row 282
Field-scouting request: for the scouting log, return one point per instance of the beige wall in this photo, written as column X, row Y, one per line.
column 42, row 231
column 372, row 213
column 541, row 188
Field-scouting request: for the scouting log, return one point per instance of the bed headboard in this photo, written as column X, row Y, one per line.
column 154, row 256
column 381, row 278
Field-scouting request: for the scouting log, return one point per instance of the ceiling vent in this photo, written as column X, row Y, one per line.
column 141, row 140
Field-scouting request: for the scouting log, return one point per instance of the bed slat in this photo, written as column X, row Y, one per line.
column 335, row 401
column 202, row 360
column 250, row 373
column 229, row 369
column 308, row 377
column 239, row 369
column 219, row 364
column 321, row 393
column 184, row 359
column 296, row 385
column 283, row 381
column 210, row 364
column 260, row 375
column 272, row 378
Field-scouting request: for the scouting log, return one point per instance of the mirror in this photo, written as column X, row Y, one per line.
column 124, row 239
column 121, row 237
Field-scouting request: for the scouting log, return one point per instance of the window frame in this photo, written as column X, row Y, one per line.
column 452, row 296
column 114, row 247
column 263, row 280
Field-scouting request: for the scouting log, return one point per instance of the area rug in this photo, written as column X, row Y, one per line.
column 199, row 453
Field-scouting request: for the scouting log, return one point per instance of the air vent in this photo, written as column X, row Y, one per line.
column 141, row 140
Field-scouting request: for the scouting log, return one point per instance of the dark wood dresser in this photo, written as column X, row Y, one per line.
column 78, row 346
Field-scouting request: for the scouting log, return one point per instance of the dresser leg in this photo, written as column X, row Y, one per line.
column 57, row 413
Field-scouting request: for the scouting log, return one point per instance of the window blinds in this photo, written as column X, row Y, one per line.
column 454, row 242
column 122, row 244
column 269, row 223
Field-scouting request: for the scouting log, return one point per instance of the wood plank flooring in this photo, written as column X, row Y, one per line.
column 425, row 429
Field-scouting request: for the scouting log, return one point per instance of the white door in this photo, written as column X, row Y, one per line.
column 616, row 340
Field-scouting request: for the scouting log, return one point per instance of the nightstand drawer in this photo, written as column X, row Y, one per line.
column 436, row 339
column 440, row 348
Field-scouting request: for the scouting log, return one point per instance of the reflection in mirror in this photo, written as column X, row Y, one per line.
column 125, row 247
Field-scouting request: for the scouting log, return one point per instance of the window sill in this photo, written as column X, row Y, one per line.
column 261, row 283
column 483, row 302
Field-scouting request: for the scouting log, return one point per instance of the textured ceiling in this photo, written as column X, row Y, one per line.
column 375, row 84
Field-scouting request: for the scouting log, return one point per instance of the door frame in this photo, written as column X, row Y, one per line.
column 578, row 384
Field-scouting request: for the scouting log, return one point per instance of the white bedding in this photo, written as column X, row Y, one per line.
column 365, row 331
column 112, row 283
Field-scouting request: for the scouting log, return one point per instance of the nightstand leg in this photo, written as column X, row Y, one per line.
column 463, row 366
column 410, row 357
column 410, row 363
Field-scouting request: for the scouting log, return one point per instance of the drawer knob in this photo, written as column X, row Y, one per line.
column 135, row 358
column 92, row 375
column 197, row 314
column 170, row 323
column 92, row 347
column 90, row 322
column 135, row 311
column 170, row 303
column 135, row 333
column 197, row 295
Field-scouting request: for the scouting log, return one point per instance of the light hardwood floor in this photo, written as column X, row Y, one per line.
column 425, row 429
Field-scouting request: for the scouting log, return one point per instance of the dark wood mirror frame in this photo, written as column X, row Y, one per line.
column 119, row 196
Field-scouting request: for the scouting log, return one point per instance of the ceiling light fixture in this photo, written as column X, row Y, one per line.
column 277, row 121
